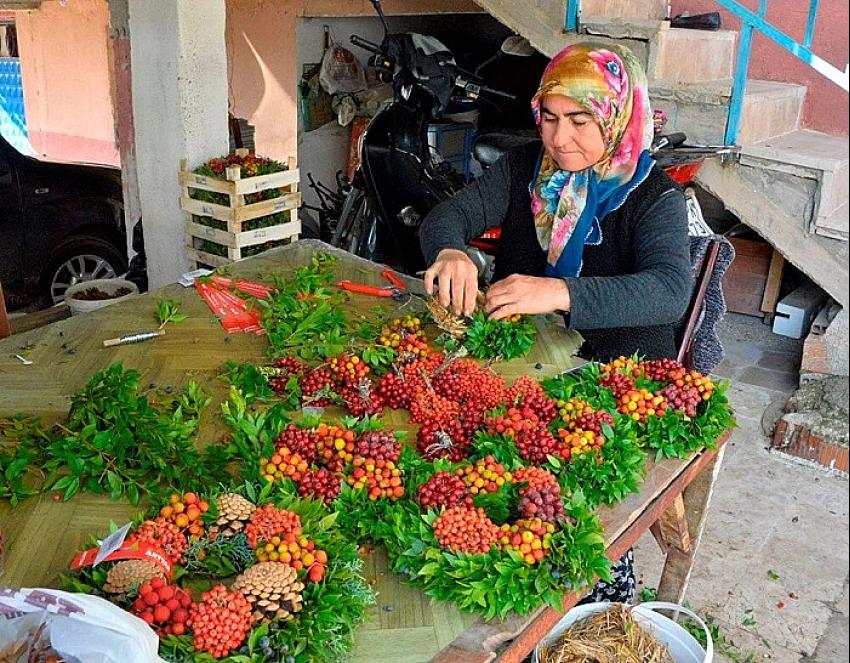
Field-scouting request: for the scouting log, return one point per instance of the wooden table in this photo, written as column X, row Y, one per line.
column 405, row 626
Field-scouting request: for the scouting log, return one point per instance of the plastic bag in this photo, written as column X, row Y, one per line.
column 75, row 627
column 341, row 71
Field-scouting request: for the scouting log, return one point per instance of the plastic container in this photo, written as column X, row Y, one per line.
column 110, row 286
column 683, row 647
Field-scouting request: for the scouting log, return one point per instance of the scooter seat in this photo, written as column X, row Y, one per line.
column 489, row 148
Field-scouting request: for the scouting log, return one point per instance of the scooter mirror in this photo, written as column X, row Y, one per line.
column 518, row 46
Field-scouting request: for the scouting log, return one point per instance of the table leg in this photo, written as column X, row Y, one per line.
column 680, row 530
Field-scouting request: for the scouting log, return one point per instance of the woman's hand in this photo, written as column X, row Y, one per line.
column 458, row 280
column 526, row 295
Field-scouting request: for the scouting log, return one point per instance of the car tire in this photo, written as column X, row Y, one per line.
column 79, row 259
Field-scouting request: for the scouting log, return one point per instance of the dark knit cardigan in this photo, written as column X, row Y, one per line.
column 634, row 286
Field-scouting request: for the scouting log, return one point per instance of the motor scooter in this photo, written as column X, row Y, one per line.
column 400, row 178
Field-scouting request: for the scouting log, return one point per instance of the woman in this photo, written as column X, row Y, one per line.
column 591, row 226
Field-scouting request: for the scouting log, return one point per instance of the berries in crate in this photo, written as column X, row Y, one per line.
column 240, row 205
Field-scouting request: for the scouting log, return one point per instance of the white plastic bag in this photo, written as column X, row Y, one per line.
column 78, row 627
column 341, row 72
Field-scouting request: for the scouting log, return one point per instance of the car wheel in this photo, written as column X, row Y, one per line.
column 81, row 259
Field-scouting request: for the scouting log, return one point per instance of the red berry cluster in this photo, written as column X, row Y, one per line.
column 320, row 484
column 512, row 422
column 300, row 441
column 534, row 477
column 465, row 530
column 618, row 384
column 428, row 406
column 394, row 391
column 594, row 420
column 220, row 621
column 486, row 476
column 524, row 388
column 164, row 607
column 163, row 534
column 536, row 444
column 269, row 521
column 347, row 369
column 399, row 388
column 693, row 380
column 660, row 370
column 443, row 489
column 466, row 383
column 361, row 400
column 543, row 502
column 380, row 445
column 380, row 478
column 318, row 388
column 683, row 399
column 285, row 368
column 436, row 439
column 544, row 407
column 335, row 446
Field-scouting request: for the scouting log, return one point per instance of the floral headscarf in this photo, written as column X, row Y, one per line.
column 610, row 84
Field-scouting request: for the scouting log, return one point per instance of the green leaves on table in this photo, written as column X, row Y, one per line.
column 491, row 339
column 20, row 439
column 168, row 310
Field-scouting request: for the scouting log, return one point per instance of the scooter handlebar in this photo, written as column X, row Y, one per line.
column 366, row 44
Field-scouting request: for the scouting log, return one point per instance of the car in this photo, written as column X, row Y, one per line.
column 60, row 224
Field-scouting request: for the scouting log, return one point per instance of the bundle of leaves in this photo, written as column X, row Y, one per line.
column 20, row 442
column 119, row 441
column 505, row 339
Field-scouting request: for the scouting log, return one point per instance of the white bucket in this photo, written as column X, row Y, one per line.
column 109, row 286
column 683, row 647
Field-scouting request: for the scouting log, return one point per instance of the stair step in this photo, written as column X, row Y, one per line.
column 771, row 109
column 693, row 56
column 816, row 155
column 619, row 27
column 631, row 9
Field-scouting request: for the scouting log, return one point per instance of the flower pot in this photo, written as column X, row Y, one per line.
column 109, row 286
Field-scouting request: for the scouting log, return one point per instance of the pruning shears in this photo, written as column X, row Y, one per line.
column 397, row 289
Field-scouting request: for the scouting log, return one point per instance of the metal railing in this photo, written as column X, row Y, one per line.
column 752, row 21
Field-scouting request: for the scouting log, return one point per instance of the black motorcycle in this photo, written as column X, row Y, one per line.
column 399, row 178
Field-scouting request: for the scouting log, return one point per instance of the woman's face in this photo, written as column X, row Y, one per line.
column 570, row 134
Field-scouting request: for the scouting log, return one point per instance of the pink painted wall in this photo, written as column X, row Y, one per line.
column 261, row 45
column 65, row 67
column 826, row 107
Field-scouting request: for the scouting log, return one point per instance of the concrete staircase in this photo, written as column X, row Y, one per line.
column 790, row 184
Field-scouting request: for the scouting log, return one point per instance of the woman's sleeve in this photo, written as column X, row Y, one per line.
column 481, row 205
column 659, row 290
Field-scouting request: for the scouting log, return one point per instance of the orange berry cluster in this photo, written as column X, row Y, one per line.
column 486, row 476
column 465, row 530
column 406, row 337
column 297, row 551
column 380, row 478
column 512, row 422
column 572, row 409
column 524, row 388
column 335, row 445
column 624, row 366
column 162, row 533
column 534, row 477
column 693, row 380
column 283, row 464
column 531, row 538
column 269, row 521
column 347, row 369
column 641, row 404
column 578, row 441
column 220, row 621
column 443, row 489
column 164, row 607
column 185, row 512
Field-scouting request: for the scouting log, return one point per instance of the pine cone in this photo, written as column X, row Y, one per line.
column 445, row 319
column 272, row 589
column 234, row 511
column 130, row 574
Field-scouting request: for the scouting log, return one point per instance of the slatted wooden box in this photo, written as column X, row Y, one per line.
column 239, row 226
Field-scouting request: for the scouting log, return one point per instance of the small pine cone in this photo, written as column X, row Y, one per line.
column 129, row 574
column 272, row 589
column 234, row 512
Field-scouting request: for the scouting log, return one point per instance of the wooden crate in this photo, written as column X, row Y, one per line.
column 751, row 285
column 239, row 213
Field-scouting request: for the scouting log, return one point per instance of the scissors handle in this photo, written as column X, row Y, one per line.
column 394, row 278
column 365, row 289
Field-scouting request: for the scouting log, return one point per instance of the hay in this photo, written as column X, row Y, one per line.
column 612, row 636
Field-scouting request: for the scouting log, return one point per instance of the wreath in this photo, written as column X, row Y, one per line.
column 295, row 590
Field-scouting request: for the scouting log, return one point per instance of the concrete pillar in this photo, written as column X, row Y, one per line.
column 179, row 87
